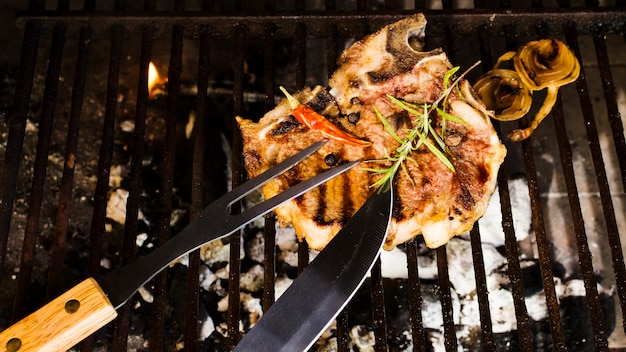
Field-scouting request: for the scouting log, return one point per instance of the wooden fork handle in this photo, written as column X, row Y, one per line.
column 62, row 323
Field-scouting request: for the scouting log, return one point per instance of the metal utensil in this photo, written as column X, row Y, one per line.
column 325, row 287
column 91, row 304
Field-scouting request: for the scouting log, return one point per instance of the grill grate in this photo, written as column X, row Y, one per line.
column 83, row 80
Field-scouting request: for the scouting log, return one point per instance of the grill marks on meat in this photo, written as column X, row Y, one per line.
column 430, row 200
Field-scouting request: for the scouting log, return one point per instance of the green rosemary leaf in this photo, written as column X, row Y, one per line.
column 376, row 171
column 448, row 75
column 406, row 173
column 439, row 155
column 422, row 134
column 411, row 108
column 387, row 126
column 438, row 139
column 447, row 116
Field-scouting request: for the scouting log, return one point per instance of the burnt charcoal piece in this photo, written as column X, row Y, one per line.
column 577, row 321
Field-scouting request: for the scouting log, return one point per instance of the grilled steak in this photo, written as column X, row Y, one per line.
column 431, row 199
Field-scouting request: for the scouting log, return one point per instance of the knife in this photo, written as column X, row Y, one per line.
column 306, row 309
column 90, row 305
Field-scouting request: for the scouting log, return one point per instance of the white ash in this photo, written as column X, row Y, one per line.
column 105, row 263
column 222, row 305
column 490, row 224
column 127, row 126
column 325, row 345
column 287, row 243
column 145, row 294
column 363, row 339
column 206, row 328
column 286, row 239
column 252, row 306
column 216, row 254
column 252, row 280
column 290, row 258
column 176, row 216
column 223, row 273
column 117, row 175
column 255, row 249
column 141, row 239
column 116, row 206
column 502, row 311
column 393, row 264
column 281, row 284
column 207, row 278
column 432, row 317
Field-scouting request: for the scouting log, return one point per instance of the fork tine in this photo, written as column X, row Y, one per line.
column 250, row 185
column 293, row 192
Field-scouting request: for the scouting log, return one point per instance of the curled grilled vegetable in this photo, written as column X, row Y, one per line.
column 315, row 121
column 546, row 63
column 503, row 92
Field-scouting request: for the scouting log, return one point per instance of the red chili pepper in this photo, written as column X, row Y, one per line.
column 315, row 121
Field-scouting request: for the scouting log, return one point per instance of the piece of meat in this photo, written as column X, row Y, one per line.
column 430, row 199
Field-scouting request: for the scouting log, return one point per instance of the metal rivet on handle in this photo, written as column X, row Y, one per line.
column 72, row 306
column 14, row 344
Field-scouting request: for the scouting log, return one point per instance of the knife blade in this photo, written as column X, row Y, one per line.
column 90, row 305
column 308, row 306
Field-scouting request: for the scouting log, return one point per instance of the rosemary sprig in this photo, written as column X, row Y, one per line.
column 419, row 135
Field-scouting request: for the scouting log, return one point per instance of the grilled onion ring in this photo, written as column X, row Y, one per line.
column 546, row 63
column 503, row 92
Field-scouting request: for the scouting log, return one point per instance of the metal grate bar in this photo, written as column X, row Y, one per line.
column 543, row 245
column 418, row 332
column 300, row 64
column 39, row 173
column 318, row 22
column 104, row 161
column 55, row 272
column 602, row 180
column 200, row 136
column 343, row 335
column 127, row 252
column 240, row 36
column 482, row 291
column 16, row 121
column 445, row 297
column 525, row 336
column 105, row 155
column 514, row 271
column 610, row 98
column 379, row 318
column 584, row 254
column 157, row 331
column 269, row 233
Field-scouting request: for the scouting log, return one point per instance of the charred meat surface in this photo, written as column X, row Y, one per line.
column 432, row 199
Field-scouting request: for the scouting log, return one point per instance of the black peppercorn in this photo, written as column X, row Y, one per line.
column 354, row 117
column 330, row 159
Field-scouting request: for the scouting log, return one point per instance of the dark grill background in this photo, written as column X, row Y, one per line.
column 77, row 104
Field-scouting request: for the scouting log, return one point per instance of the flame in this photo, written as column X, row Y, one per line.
column 155, row 81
